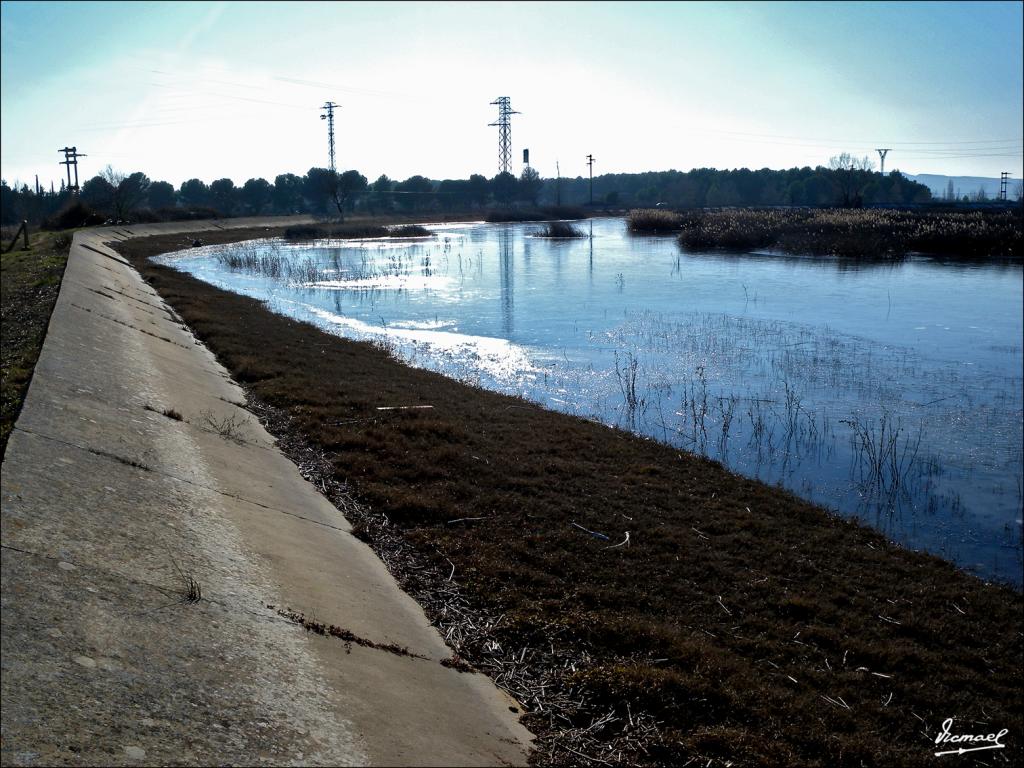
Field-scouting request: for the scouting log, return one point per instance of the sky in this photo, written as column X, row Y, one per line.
column 207, row 90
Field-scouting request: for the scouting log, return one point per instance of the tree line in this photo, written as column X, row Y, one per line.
column 846, row 181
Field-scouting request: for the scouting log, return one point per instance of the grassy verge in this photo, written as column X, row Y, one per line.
column 29, row 284
column 969, row 236
column 738, row 623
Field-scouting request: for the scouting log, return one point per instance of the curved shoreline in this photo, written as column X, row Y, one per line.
column 770, row 579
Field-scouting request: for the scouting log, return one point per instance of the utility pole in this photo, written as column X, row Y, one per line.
column 504, row 125
column 1004, row 180
column 882, row 153
column 558, row 184
column 71, row 155
column 590, row 162
column 328, row 107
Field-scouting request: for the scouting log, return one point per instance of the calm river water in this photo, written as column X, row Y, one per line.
column 892, row 393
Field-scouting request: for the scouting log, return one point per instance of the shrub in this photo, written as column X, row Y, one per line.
column 560, row 229
column 77, row 214
column 410, row 230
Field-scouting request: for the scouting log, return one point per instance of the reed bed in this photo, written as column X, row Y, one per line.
column 854, row 233
column 653, row 221
column 560, row 229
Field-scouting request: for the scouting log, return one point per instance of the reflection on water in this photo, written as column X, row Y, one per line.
column 890, row 392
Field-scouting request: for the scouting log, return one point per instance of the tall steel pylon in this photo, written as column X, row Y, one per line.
column 328, row 107
column 882, row 153
column 504, row 125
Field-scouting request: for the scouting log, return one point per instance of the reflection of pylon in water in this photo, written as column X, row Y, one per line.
column 507, row 278
column 504, row 125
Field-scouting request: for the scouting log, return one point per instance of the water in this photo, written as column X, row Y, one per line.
column 891, row 393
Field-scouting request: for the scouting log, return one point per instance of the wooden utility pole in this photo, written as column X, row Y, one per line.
column 590, row 162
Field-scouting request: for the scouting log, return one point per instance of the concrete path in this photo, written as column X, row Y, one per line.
column 109, row 508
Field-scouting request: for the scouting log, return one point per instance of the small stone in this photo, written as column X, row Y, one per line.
column 85, row 661
column 54, row 632
column 135, row 753
column 65, row 566
column 148, row 722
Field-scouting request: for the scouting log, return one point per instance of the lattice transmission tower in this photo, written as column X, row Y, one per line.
column 328, row 108
column 504, row 125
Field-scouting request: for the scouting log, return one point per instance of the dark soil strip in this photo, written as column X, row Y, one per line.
column 349, row 637
column 740, row 624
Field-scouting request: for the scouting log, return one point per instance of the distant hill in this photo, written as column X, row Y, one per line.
column 964, row 185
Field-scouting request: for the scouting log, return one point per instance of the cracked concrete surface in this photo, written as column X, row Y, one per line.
column 108, row 507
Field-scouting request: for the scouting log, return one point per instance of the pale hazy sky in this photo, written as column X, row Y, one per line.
column 213, row 89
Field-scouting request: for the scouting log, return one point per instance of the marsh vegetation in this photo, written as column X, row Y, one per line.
column 874, row 390
column 845, row 232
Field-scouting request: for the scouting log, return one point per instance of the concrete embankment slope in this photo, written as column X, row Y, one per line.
column 114, row 512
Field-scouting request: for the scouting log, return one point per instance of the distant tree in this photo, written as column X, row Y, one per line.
column 529, row 186
column 503, row 187
column 796, row 193
column 255, row 195
column 224, row 196
column 612, row 198
column 194, row 194
column 98, row 194
column 722, row 193
column 9, row 213
column 648, row 195
column 380, row 194
column 414, row 193
column 453, row 194
column 478, row 189
column 351, row 184
column 286, row 196
column 1018, row 191
column 950, row 195
column 980, row 196
column 848, row 172
column 818, row 190
column 129, row 193
column 320, row 188
column 161, row 195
